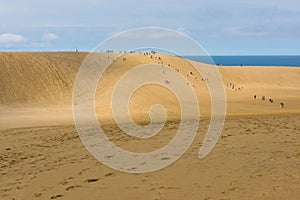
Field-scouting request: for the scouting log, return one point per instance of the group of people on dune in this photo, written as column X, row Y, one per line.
column 234, row 87
column 263, row 98
column 230, row 85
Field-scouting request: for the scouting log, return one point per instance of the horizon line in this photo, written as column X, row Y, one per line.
column 88, row 51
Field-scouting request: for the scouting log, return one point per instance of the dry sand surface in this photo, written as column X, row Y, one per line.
column 42, row 157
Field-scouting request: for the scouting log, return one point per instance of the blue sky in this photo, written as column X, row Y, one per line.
column 221, row 27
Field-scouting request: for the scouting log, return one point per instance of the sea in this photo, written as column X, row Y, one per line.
column 257, row 60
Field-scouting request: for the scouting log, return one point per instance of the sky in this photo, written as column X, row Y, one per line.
column 231, row 27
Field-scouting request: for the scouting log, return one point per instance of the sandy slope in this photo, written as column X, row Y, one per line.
column 36, row 86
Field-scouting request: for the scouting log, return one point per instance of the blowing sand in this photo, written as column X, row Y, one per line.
column 42, row 157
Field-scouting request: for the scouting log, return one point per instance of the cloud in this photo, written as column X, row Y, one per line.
column 12, row 9
column 211, row 23
column 235, row 31
column 150, row 33
column 11, row 38
column 50, row 36
column 39, row 44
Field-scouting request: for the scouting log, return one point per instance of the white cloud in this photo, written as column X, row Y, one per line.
column 235, row 31
column 11, row 38
column 150, row 33
column 50, row 36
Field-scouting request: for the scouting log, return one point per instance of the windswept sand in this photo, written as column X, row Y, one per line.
column 42, row 157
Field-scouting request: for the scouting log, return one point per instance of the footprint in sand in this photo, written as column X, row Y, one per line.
column 83, row 170
column 37, row 194
column 109, row 174
column 65, row 181
column 56, row 196
column 73, row 187
column 91, row 180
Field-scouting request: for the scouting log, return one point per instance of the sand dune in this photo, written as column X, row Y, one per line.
column 38, row 78
column 42, row 157
column 43, row 83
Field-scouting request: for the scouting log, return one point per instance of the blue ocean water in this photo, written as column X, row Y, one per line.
column 291, row 61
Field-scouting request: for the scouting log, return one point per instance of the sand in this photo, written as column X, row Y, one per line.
column 42, row 157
